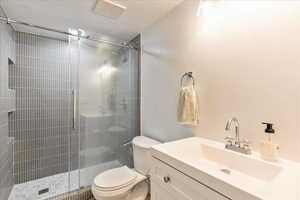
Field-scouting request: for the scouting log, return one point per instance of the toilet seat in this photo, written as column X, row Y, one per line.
column 121, row 189
column 115, row 179
column 133, row 186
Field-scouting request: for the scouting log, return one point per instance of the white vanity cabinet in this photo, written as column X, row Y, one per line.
column 158, row 192
column 168, row 183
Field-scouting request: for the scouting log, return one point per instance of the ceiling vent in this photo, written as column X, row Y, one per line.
column 109, row 9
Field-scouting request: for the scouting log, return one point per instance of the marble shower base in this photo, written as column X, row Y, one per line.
column 59, row 184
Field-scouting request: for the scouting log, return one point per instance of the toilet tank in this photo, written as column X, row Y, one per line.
column 141, row 153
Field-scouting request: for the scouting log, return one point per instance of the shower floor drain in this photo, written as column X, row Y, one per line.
column 43, row 191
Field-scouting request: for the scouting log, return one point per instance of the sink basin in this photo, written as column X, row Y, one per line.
column 214, row 156
column 233, row 161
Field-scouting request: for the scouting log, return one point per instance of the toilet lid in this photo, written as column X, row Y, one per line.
column 115, row 179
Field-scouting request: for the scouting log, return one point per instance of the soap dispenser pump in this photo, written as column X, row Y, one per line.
column 268, row 150
column 269, row 130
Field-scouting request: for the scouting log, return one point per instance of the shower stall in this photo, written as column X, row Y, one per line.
column 70, row 107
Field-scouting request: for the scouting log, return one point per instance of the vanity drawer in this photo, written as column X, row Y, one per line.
column 180, row 185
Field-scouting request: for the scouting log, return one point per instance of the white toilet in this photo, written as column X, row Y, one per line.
column 124, row 183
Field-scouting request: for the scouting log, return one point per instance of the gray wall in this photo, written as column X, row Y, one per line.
column 245, row 59
column 6, row 155
column 42, row 121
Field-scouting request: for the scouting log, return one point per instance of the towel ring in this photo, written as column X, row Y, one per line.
column 189, row 75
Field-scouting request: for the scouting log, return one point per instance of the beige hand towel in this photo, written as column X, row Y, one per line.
column 188, row 108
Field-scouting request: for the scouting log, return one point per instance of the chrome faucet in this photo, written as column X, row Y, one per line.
column 237, row 145
column 237, row 132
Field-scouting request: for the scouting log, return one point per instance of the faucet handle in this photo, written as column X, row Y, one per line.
column 229, row 140
column 246, row 144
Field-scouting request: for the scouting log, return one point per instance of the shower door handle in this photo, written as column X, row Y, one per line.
column 74, row 108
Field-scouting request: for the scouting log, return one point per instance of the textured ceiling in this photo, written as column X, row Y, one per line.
column 64, row 14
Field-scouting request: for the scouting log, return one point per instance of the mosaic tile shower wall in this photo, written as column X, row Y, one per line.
column 6, row 149
column 42, row 121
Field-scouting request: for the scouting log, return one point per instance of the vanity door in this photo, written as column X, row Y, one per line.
column 158, row 193
column 169, row 183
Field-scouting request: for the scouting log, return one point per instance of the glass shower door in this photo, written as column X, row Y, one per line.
column 41, row 123
column 108, row 99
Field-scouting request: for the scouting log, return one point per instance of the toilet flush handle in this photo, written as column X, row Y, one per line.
column 127, row 143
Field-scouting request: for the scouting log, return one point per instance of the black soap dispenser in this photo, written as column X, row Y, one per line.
column 269, row 150
column 269, row 130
